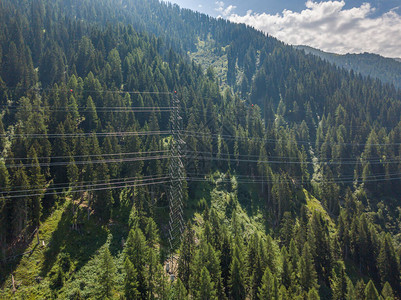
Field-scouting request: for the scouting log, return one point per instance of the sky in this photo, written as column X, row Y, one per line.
column 338, row 26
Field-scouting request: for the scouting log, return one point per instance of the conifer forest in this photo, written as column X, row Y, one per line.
column 154, row 152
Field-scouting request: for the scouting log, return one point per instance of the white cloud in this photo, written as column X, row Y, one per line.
column 224, row 11
column 330, row 27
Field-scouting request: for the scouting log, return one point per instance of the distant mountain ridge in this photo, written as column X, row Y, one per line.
column 388, row 70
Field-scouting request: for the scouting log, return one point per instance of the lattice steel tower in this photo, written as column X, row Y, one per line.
column 176, row 173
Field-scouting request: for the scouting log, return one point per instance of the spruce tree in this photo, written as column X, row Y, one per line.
column 4, row 206
column 237, row 280
column 387, row 292
column 92, row 122
column 313, row 294
column 206, row 287
column 19, row 206
column 371, row 292
column 268, row 289
column 187, row 254
column 179, row 291
column 107, row 274
column 130, row 281
column 306, row 269
column 339, row 283
column 136, row 251
column 37, row 180
column 388, row 264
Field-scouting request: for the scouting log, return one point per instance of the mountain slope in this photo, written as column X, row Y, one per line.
column 388, row 70
column 291, row 166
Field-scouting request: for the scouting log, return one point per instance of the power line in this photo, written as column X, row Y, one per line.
column 67, row 184
column 38, row 89
column 86, row 134
column 340, row 160
column 234, row 159
column 86, row 162
column 91, row 190
column 88, row 187
column 265, row 140
column 289, row 180
column 98, row 109
column 88, row 155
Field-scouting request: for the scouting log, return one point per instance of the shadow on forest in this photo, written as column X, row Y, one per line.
column 79, row 245
column 14, row 258
column 251, row 198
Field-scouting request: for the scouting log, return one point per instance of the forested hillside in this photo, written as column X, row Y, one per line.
column 292, row 167
column 387, row 70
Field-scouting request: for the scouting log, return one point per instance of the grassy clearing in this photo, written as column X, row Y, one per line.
column 28, row 269
column 314, row 204
column 216, row 195
column 76, row 251
column 208, row 54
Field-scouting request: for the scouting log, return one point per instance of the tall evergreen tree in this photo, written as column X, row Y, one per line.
column 187, row 254
column 136, row 251
column 237, row 280
column 268, row 290
column 107, row 274
column 206, row 287
column 306, row 269
column 130, row 281
column 388, row 264
column 371, row 292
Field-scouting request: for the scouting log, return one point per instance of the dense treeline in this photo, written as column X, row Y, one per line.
column 77, row 121
column 386, row 69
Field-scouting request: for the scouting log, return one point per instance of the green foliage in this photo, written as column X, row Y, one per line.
column 268, row 288
column 57, row 279
column 237, row 280
column 387, row 292
column 70, row 80
column 206, row 287
column 106, row 275
column 371, row 292
column 137, row 252
column 179, row 291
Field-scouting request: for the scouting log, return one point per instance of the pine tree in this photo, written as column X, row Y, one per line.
column 306, row 269
column 226, row 250
column 115, row 64
column 162, row 283
column 237, row 280
column 339, row 283
column 313, row 294
column 207, row 257
column 268, row 289
column 37, row 180
column 287, row 229
column 288, row 276
column 136, row 251
column 130, row 281
column 293, row 256
column 2, row 136
column 371, row 292
column 360, row 290
column 20, row 205
column 255, row 266
column 388, row 264
column 387, row 292
column 206, row 287
column 92, row 122
column 179, row 291
column 319, row 243
column 107, row 274
column 4, row 206
column 187, row 254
